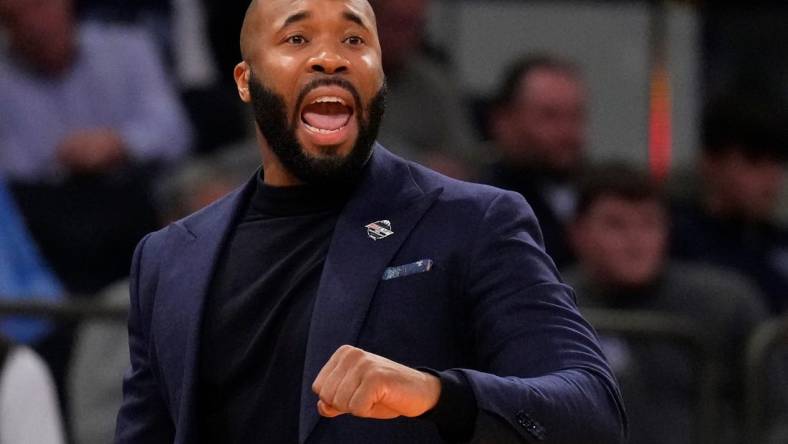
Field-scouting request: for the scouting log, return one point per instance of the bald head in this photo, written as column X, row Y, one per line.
column 258, row 15
column 246, row 28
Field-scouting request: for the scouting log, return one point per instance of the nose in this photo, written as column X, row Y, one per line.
column 328, row 61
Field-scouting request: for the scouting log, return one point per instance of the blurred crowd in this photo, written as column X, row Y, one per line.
column 119, row 117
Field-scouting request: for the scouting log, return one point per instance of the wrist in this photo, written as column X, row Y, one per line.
column 432, row 390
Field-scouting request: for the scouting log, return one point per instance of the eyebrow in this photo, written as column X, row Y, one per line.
column 304, row 15
column 295, row 18
column 353, row 17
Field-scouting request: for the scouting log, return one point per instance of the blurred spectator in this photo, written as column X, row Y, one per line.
column 23, row 274
column 153, row 15
column 28, row 402
column 95, row 390
column 211, row 101
column 84, row 110
column 742, row 167
column 425, row 117
column 80, row 99
column 538, row 129
column 620, row 235
column 180, row 30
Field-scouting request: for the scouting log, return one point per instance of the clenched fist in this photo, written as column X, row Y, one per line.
column 370, row 386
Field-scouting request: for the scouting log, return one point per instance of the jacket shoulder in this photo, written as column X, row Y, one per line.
column 462, row 193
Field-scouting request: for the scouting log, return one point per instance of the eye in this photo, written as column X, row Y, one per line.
column 354, row 40
column 296, row 40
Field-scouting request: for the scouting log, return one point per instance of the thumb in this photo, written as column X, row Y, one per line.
column 327, row 410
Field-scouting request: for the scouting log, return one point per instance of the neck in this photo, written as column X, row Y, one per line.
column 276, row 175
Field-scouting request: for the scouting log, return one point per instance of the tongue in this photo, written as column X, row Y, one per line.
column 326, row 121
column 326, row 116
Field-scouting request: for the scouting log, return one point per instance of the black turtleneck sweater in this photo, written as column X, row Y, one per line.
column 257, row 315
column 257, row 319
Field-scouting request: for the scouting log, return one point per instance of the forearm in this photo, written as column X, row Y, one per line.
column 564, row 407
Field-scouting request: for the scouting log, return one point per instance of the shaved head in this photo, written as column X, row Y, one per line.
column 246, row 29
column 252, row 18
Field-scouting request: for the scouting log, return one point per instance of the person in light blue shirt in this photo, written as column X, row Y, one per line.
column 81, row 98
column 23, row 273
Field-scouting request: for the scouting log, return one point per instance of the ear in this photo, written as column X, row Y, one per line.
column 242, row 73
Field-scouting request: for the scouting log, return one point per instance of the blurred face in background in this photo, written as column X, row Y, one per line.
column 742, row 186
column 544, row 127
column 621, row 242
column 401, row 24
column 42, row 32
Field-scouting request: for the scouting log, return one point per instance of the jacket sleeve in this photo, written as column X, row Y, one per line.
column 543, row 377
column 143, row 416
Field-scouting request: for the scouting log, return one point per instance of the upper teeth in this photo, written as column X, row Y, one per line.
column 329, row 100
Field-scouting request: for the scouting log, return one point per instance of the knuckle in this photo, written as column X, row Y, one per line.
column 356, row 354
column 365, row 366
column 346, row 348
column 376, row 374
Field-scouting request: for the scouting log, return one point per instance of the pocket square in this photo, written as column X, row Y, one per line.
column 421, row 266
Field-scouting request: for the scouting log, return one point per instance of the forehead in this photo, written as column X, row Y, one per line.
column 276, row 12
column 551, row 82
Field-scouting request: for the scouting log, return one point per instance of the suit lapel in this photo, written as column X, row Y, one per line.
column 355, row 264
column 185, row 280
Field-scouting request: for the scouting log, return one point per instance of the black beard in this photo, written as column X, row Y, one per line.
column 270, row 112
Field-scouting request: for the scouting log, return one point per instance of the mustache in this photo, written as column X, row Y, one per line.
column 328, row 81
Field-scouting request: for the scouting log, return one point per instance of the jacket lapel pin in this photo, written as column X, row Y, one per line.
column 379, row 230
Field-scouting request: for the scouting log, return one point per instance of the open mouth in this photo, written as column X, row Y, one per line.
column 326, row 115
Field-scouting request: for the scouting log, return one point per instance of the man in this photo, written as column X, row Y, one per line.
column 24, row 274
column 538, row 128
column 346, row 295
column 84, row 111
column 620, row 235
column 100, row 90
column 742, row 168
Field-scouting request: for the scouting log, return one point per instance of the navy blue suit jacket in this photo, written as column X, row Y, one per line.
column 492, row 306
